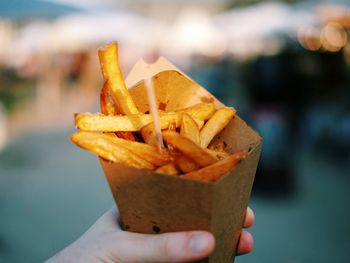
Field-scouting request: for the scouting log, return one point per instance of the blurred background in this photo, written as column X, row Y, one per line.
column 283, row 65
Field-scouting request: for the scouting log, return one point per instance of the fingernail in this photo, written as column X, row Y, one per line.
column 199, row 242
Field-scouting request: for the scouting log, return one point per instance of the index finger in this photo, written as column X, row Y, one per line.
column 249, row 218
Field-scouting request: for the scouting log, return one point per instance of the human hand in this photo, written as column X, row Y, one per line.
column 105, row 241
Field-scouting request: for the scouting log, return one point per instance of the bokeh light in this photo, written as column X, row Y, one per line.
column 309, row 38
column 333, row 37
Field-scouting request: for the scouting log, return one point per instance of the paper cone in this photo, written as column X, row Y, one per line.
column 158, row 203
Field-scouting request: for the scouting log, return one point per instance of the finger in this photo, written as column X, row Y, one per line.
column 168, row 247
column 246, row 243
column 249, row 218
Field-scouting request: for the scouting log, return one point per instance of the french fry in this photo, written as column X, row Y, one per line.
column 202, row 111
column 167, row 169
column 188, row 148
column 147, row 152
column 172, row 127
column 219, row 155
column 148, row 134
column 220, row 168
column 126, row 135
column 199, row 122
column 189, row 128
column 101, row 145
column 103, row 123
column 107, row 108
column 215, row 124
column 114, row 79
column 187, row 151
column 184, row 164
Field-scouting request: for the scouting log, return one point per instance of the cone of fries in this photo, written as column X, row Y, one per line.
column 198, row 176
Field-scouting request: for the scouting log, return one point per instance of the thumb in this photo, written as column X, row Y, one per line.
column 168, row 247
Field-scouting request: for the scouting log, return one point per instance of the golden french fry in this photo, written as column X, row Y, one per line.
column 219, row 155
column 172, row 127
column 147, row 152
column 189, row 128
column 107, row 108
column 188, row 148
column 126, row 135
column 215, row 124
column 148, row 134
column 200, row 123
column 202, row 111
column 98, row 122
column 220, row 168
column 167, row 169
column 184, row 164
column 114, row 79
column 101, row 145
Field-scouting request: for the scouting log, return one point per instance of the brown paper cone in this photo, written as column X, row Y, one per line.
column 158, row 203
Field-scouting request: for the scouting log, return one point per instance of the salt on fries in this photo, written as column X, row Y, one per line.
column 187, row 133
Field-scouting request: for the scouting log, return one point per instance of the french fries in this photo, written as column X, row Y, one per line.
column 202, row 111
column 111, row 72
column 107, row 108
column 103, row 123
column 215, row 124
column 218, row 169
column 188, row 148
column 184, row 164
column 147, row 152
column 189, row 128
column 168, row 168
column 149, row 134
column 103, row 146
column 120, row 133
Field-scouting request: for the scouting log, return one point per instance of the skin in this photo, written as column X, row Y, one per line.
column 105, row 241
